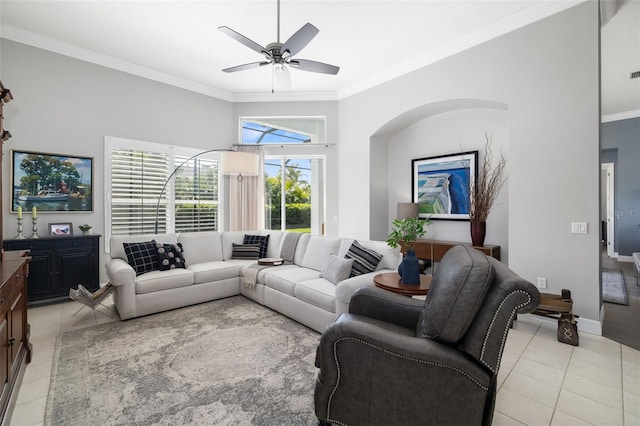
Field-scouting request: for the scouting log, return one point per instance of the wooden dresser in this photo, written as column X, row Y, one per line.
column 434, row 249
column 15, row 348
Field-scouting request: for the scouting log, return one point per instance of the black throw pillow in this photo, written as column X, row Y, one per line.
column 143, row 257
column 245, row 251
column 262, row 240
column 170, row 256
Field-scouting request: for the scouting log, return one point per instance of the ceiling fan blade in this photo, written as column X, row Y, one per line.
column 300, row 39
column 246, row 66
column 242, row 39
column 313, row 66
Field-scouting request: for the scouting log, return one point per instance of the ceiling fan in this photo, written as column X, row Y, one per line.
column 281, row 54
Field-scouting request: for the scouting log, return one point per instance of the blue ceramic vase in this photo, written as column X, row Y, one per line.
column 409, row 268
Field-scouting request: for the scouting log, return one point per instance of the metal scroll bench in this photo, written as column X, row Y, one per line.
column 91, row 300
column 560, row 306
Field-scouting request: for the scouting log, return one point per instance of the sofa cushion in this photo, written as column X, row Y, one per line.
column 458, row 288
column 318, row 292
column 318, row 251
column 261, row 240
column 275, row 242
column 245, row 251
column 170, row 256
column 364, row 260
column 336, row 269
column 285, row 279
column 143, row 256
column 201, row 247
column 228, row 238
column 163, row 280
column 214, row 271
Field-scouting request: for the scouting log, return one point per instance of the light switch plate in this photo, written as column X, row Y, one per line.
column 578, row 227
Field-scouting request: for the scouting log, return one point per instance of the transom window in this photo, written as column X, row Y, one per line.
column 282, row 130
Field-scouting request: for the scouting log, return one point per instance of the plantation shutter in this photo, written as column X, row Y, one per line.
column 196, row 195
column 137, row 178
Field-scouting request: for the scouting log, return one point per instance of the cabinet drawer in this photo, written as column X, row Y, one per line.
column 28, row 244
column 15, row 282
column 5, row 293
column 64, row 243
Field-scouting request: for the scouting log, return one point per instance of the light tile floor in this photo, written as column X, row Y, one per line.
column 541, row 381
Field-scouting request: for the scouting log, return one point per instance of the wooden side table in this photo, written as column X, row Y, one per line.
column 391, row 281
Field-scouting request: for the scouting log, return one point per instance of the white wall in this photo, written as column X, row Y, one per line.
column 447, row 133
column 66, row 106
column 547, row 75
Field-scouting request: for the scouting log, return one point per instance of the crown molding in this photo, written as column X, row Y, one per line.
column 620, row 116
column 285, row 97
column 32, row 39
column 503, row 26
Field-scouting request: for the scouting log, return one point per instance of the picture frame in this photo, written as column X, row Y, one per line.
column 51, row 182
column 441, row 185
column 61, row 229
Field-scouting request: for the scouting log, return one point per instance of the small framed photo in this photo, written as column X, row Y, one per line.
column 63, row 229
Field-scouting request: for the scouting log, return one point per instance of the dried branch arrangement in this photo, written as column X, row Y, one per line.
column 487, row 188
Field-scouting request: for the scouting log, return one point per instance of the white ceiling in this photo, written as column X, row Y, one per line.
column 177, row 42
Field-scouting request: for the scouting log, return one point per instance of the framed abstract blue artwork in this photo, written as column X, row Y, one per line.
column 441, row 185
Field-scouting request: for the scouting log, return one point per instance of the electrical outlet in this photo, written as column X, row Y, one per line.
column 542, row 282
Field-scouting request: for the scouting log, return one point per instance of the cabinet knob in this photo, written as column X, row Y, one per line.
column 11, row 341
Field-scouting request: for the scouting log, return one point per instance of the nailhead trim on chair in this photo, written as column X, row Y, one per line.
column 506, row 330
column 335, row 356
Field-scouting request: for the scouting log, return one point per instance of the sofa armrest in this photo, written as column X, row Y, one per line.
column 346, row 288
column 120, row 272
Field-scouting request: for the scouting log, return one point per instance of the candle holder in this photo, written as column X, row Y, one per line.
column 35, row 228
column 20, row 236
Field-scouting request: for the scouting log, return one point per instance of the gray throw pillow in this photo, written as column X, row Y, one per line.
column 336, row 269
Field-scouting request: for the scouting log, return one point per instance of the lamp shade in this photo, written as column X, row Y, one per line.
column 239, row 163
column 407, row 210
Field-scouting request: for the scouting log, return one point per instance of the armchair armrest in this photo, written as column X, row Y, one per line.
column 381, row 304
column 370, row 371
column 120, row 272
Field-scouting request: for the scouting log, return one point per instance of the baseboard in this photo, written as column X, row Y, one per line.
column 584, row 325
column 625, row 259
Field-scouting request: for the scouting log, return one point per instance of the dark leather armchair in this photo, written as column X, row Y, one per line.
column 394, row 360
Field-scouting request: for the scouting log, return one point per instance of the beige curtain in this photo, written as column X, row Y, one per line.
column 246, row 197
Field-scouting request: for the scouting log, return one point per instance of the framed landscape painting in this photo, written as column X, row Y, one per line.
column 441, row 185
column 51, row 182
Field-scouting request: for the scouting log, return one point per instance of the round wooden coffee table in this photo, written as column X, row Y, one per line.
column 391, row 281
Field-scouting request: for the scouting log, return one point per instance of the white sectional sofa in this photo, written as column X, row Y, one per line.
column 295, row 290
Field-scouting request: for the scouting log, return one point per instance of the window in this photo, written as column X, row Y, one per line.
column 135, row 175
column 301, row 179
column 282, row 130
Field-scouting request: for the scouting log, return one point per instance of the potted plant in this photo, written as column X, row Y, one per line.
column 405, row 232
column 86, row 229
column 485, row 192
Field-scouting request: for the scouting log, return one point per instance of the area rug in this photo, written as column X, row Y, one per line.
column 613, row 288
column 225, row 362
